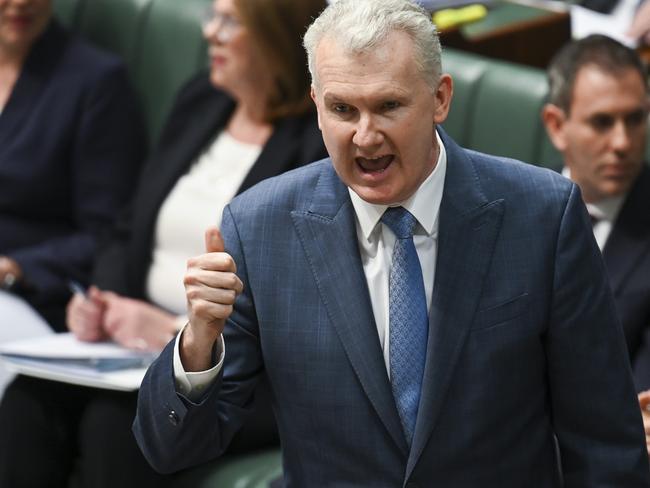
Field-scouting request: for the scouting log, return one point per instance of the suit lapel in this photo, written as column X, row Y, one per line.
column 328, row 235
column 629, row 239
column 469, row 225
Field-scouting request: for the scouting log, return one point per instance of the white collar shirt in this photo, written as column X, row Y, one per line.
column 605, row 212
column 376, row 242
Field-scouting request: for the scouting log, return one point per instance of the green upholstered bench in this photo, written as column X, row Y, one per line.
column 496, row 108
column 255, row 470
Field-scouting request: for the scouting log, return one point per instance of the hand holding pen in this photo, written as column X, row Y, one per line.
column 85, row 313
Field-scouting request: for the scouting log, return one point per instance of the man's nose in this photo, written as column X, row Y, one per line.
column 621, row 139
column 367, row 134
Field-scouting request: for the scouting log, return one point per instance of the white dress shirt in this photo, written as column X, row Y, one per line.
column 604, row 211
column 376, row 242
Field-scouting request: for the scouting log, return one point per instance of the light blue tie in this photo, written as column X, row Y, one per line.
column 408, row 318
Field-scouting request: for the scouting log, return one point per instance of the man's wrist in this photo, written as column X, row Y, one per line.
column 196, row 353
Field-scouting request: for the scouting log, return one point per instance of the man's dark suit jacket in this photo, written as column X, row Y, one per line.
column 524, row 346
column 71, row 145
column 627, row 259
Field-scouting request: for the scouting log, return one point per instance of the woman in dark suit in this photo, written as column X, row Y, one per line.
column 71, row 144
column 249, row 118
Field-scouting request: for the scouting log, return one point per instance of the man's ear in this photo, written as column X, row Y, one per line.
column 443, row 96
column 554, row 119
column 312, row 93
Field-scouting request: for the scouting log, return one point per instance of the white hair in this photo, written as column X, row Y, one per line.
column 358, row 26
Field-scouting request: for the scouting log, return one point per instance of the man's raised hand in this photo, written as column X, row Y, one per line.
column 211, row 287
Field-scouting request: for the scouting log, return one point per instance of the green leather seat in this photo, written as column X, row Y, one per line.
column 171, row 48
column 66, row 11
column 497, row 108
column 255, row 470
column 507, row 112
column 115, row 25
column 467, row 71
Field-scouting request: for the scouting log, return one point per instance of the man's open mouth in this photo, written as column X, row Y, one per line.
column 375, row 165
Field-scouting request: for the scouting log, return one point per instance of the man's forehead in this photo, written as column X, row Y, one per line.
column 598, row 90
column 330, row 53
column 386, row 65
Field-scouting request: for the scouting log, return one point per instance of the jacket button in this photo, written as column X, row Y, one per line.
column 173, row 417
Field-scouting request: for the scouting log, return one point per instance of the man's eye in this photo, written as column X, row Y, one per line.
column 391, row 105
column 602, row 122
column 341, row 108
column 636, row 118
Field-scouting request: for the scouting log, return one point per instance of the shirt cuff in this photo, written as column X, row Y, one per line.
column 192, row 385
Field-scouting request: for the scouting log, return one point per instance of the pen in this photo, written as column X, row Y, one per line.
column 77, row 288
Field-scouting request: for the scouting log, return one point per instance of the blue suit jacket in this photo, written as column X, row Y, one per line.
column 524, row 345
column 71, row 144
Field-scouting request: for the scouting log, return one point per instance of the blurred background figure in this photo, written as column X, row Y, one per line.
column 71, row 143
column 250, row 117
column 597, row 117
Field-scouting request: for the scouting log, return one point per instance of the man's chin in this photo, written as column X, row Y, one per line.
column 376, row 196
column 615, row 188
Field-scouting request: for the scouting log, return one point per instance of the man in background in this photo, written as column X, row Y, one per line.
column 597, row 117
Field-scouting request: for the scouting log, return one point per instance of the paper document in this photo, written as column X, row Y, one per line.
column 18, row 320
column 62, row 357
column 585, row 22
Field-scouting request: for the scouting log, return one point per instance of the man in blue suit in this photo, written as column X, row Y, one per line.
column 426, row 315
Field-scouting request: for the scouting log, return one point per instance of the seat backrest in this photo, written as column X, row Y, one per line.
column 496, row 108
column 467, row 71
column 171, row 49
column 507, row 113
column 66, row 11
column 115, row 25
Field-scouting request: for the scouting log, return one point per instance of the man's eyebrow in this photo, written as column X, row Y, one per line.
column 377, row 96
column 333, row 97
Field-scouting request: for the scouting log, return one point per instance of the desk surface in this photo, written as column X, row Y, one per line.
column 514, row 32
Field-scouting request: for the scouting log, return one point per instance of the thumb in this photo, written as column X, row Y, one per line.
column 213, row 240
column 104, row 297
column 96, row 295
